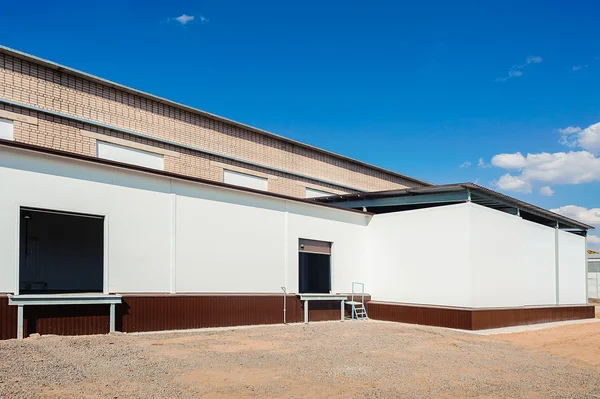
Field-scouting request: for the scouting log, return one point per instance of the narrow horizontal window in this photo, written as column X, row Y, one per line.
column 6, row 130
column 245, row 180
column 312, row 193
column 119, row 153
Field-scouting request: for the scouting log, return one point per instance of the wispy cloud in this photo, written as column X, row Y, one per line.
column 578, row 68
column 465, row 164
column 570, row 130
column 184, row 19
column 546, row 191
column 517, row 70
column 482, row 164
column 588, row 138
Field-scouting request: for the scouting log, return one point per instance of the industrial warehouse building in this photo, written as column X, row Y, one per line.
column 124, row 211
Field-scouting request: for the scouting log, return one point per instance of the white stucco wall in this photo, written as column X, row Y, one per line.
column 572, row 269
column 165, row 235
column 136, row 208
column 228, row 241
column 513, row 260
column 538, row 263
column 349, row 260
column 421, row 256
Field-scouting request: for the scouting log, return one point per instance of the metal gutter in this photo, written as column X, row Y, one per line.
column 105, row 82
column 159, row 140
column 99, row 161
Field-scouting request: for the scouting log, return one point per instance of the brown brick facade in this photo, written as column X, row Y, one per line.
column 25, row 82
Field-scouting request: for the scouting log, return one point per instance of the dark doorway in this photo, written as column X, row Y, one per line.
column 315, row 273
column 60, row 252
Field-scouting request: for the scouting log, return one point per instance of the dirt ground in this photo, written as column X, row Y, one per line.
column 362, row 359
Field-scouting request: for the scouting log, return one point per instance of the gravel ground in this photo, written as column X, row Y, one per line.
column 320, row 360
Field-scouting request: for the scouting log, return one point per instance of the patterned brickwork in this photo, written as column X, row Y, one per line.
column 58, row 91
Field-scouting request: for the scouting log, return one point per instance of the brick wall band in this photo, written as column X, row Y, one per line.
column 58, row 91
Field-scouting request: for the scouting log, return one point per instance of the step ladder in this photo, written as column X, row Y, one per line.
column 359, row 312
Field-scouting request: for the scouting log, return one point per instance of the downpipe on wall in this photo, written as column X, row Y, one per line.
column 284, row 307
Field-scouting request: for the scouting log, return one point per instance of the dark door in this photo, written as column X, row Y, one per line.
column 315, row 273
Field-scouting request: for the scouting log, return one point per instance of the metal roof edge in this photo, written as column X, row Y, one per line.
column 73, row 71
column 527, row 206
column 458, row 186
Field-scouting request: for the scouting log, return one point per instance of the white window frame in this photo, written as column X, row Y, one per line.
column 252, row 181
column 130, row 155
column 315, row 191
column 7, row 129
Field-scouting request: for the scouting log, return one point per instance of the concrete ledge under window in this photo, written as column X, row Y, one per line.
column 13, row 116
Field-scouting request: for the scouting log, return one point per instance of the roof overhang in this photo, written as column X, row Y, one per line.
column 396, row 200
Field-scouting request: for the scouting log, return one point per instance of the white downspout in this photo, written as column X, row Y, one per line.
column 556, row 276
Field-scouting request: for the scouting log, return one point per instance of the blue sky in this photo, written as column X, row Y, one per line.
column 419, row 88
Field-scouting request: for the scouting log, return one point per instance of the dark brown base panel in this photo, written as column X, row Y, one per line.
column 178, row 312
column 164, row 312
column 475, row 319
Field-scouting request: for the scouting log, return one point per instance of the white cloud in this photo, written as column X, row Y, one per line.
column 574, row 167
column 509, row 182
column 482, row 164
column 465, row 164
column 509, row 161
column 588, row 216
column 513, row 74
column 546, row 191
column 593, row 242
column 570, row 130
column 578, row 68
column 184, row 19
column 516, row 70
column 534, row 60
column 588, row 138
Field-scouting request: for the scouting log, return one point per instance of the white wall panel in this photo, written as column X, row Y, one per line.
column 228, row 241
column 168, row 234
column 513, row 260
column 349, row 252
column 421, row 256
column 538, row 263
column 572, row 268
column 136, row 206
column 119, row 153
column 8, row 235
